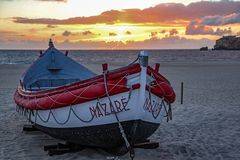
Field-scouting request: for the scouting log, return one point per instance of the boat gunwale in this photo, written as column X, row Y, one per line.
column 114, row 76
column 110, row 76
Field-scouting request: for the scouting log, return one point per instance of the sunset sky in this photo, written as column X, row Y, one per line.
column 114, row 24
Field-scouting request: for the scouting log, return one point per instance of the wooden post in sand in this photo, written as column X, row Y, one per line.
column 181, row 92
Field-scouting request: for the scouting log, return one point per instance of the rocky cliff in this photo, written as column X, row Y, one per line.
column 228, row 43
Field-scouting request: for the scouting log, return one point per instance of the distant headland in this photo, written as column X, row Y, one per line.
column 228, row 43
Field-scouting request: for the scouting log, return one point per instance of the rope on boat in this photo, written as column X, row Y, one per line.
column 116, row 116
column 167, row 111
column 71, row 110
column 79, row 96
column 86, row 121
column 129, row 97
column 28, row 113
column 38, row 115
column 57, row 121
column 133, row 132
column 134, row 61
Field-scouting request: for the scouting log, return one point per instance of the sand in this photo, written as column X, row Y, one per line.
column 206, row 126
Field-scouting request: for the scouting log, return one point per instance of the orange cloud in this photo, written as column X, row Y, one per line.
column 173, row 32
column 158, row 14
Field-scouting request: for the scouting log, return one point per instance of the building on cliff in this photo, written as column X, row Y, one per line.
column 228, row 43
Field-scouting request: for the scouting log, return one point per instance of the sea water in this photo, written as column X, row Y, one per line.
column 124, row 56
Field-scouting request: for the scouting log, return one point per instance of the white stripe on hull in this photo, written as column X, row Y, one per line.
column 92, row 114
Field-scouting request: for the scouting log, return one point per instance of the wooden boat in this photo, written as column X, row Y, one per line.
column 68, row 101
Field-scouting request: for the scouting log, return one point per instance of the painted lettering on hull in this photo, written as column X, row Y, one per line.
column 105, row 109
column 153, row 107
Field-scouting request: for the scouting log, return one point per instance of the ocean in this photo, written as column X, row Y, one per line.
column 125, row 56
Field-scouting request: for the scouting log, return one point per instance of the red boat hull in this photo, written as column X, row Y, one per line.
column 92, row 89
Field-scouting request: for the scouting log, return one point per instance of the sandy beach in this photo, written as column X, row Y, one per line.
column 205, row 126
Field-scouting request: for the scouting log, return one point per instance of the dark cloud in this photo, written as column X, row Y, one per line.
column 166, row 12
column 85, row 33
column 232, row 19
column 51, row 26
column 225, row 31
column 53, row 34
column 128, row 33
column 204, row 25
column 66, row 33
column 173, row 42
column 212, row 20
column 163, row 43
column 88, row 33
column 112, row 34
column 195, row 28
column 173, row 32
column 220, row 20
column 154, row 35
column 163, row 31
